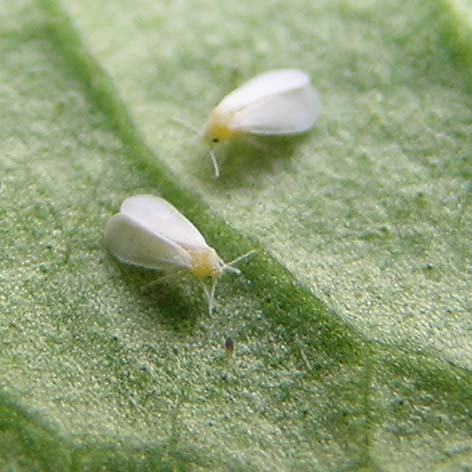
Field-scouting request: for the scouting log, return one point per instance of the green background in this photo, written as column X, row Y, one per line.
column 352, row 323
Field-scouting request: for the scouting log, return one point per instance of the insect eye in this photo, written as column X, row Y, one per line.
column 215, row 140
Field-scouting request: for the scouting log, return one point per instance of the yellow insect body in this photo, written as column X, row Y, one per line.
column 219, row 129
column 205, row 263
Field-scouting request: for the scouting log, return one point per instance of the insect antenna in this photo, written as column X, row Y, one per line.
column 230, row 265
column 198, row 134
column 187, row 125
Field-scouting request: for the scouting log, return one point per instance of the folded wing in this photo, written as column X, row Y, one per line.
column 290, row 112
column 132, row 243
column 160, row 218
column 262, row 86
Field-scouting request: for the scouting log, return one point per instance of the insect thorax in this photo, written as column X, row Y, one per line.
column 206, row 263
column 218, row 128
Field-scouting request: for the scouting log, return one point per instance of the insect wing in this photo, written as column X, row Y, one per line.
column 290, row 112
column 162, row 219
column 132, row 243
column 261, row 87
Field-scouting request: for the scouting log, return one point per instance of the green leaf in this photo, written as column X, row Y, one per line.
column 353, row 322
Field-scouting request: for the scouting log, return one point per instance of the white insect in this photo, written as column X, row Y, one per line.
column 278, row 102
column 149, row 232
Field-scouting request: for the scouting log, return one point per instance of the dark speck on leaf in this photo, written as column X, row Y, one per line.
column 229, row 345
